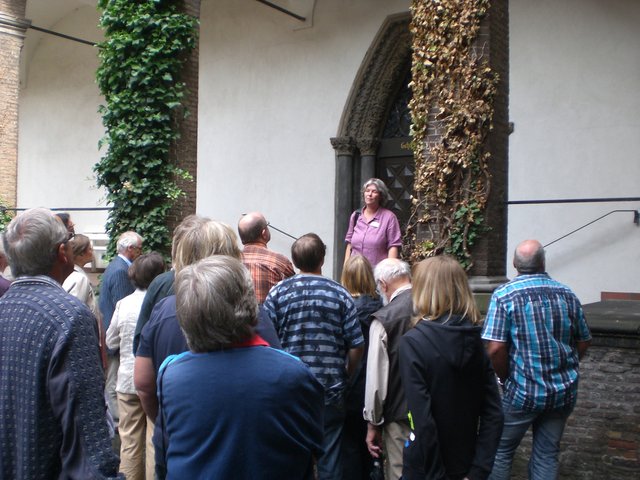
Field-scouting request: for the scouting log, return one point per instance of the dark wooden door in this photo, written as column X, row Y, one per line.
column 395, row 167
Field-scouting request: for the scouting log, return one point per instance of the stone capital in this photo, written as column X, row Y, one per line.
column 343, row 145
column 368, row 146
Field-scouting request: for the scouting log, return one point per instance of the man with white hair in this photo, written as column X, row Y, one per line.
column 114, row 286
column 54, row 421
column 385, row 407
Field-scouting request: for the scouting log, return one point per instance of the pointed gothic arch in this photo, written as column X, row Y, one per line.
column 380, row 78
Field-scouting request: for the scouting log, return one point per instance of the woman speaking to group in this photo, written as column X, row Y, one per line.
column 374, row 231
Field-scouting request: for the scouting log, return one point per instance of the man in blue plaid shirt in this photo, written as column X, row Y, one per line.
column 536, row 334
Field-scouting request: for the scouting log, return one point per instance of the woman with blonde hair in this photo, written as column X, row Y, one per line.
column 448, row 380
column 357, row 278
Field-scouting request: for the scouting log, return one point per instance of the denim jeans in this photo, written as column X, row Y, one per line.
column 330, row 462
column 547, row 432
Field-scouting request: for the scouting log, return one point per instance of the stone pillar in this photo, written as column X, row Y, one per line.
column 345, row 150
column 13, row 27
column 368, row 149
column 185, row 153
column 489, row 253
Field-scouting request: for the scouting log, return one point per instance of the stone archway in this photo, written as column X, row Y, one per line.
column 377, row 83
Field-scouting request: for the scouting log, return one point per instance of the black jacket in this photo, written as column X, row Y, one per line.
column 453, row 397
column 366, row 306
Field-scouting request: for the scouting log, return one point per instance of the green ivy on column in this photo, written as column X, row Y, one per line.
column 146, row 45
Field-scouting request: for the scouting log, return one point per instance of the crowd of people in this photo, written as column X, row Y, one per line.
column 231, row 365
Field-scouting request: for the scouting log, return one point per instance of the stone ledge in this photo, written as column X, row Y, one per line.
column 614, row 317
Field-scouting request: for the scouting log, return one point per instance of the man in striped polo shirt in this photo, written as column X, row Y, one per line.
column 536, row 334
column 316, row 320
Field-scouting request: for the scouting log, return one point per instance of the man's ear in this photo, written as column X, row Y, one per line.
column 62, row 255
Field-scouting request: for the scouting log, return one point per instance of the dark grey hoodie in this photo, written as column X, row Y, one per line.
column 453, row 397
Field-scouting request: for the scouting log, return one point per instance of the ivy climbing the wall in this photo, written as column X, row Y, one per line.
column 146, row 45
column 452, row 109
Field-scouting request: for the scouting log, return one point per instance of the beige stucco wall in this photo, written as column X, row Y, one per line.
column 59, row 123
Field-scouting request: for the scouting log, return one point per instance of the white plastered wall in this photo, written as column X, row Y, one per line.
column 574, row 100
column 58, row 119
column 271, row 97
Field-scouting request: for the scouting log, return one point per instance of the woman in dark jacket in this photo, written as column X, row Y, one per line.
column 448, row 380
column 357, row 278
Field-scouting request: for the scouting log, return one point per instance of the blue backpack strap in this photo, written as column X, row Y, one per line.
column 161, row 471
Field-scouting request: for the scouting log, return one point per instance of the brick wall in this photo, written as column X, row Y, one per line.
column 602, row 437
column 11, row 41
column 185, row 152
column 492, row 45
column 489, row 254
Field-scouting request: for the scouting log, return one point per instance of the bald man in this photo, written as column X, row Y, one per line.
column 536, row 333
column 266, row 266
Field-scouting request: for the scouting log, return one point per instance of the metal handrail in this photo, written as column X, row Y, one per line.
column 636, row 220
column 574, row 200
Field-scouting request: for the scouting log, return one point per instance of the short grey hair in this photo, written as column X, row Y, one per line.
column 532, row 263
column 31, row 242
column 391, row 268
column 128, row 239
column 385, row 197
column 215, row 303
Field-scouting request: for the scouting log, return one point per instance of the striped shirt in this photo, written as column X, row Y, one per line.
column 542, row 320
column 317, row 321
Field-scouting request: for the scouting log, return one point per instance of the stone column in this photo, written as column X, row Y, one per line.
column 489, row 254
column 368, row 150
column 345, row 149
column 13, row 27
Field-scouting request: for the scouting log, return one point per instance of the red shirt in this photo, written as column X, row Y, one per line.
column 266, row 267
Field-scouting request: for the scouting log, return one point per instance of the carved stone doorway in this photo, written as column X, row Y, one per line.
column 374, row 129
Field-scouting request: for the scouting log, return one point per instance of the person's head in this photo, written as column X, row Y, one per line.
column 253, row 227
column 82, row 249
column 308, row 253
column 375, row 192
column 357, row 276
column 65, row 218
column 529, row 257
column 391, row 274
column 37, row 243
column 441, row 287
column 204, row 238
column 188, row 223
column 215, row 303
column 145, row 268
column 129, row 245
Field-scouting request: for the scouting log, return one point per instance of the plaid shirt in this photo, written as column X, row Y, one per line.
column 542, row 320
column 266, row 267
